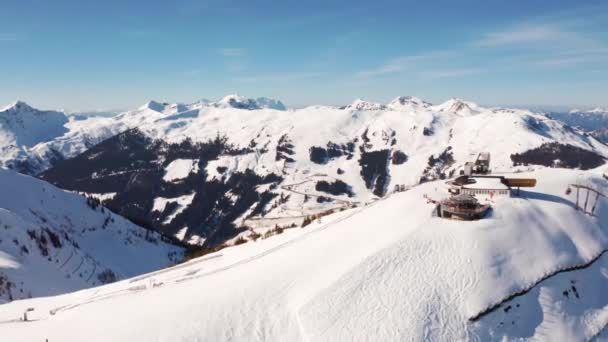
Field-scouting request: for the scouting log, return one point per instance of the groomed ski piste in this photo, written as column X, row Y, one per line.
column 534, row 269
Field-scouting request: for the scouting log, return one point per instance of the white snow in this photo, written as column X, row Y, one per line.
column 101, row 197
column 387, row 272
column 181, row 233
column 180, row 169
column 182, row 203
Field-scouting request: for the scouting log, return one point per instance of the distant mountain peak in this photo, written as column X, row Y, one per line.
column 360, row 104
column 266, row 102
column 18, row 106
column 599, row 110
column 242, row 102
column 154, row 105
column 408, row 102
column 596, row 110
column 458, row 106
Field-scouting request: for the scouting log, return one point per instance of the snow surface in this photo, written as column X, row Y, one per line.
column 180, row 169
column 182, row 203
column 88, row 241
column 390, row 271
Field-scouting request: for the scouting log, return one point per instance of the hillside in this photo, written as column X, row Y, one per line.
column 54, row 242
column 389, row 271
column 210, row 171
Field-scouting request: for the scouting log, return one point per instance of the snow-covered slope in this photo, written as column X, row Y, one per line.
column 388, row 272
column 53, row 242
column 243, row 165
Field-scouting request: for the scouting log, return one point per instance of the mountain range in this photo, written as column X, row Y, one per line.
column 242, row 219
column 207, row 172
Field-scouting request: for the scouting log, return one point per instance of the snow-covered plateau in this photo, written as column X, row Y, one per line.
column 534, row 269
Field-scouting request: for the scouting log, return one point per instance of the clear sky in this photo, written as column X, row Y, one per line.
column 104, row 54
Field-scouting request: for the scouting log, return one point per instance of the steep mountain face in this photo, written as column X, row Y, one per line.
column 167, row 186
column 207, row 172
column 53, row 242
column 534, row 269
column 23, row 127
column 32, row 140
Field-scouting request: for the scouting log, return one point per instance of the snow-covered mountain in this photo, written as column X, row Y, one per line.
column 206, row 172
column 534, row 269
column 458, row 106
column 360, row 104
column 53, row 242
column 594, row 121
column 23, row 127
column 370, row 261
column 241, row 102
column 404, row 103
column 32, row 140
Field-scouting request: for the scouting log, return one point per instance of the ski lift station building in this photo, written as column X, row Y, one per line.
column 485, row 186
column 488, row 185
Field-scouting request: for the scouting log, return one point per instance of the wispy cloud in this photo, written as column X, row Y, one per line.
column 451, row 73
column 232, row 52
column 552, row 44
column 526, row 35
column 279, row 77
column 402, row 64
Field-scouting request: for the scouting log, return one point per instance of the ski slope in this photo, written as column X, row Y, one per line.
column 390, row 271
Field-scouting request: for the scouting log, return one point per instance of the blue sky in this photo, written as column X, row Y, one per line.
column 119, row 54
